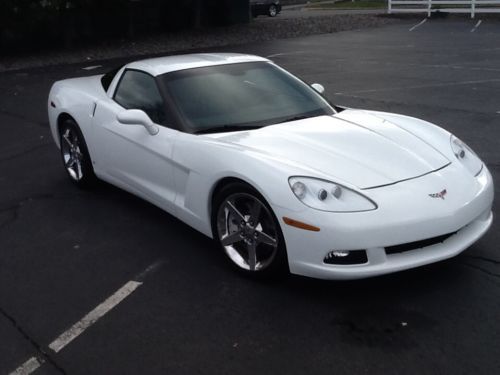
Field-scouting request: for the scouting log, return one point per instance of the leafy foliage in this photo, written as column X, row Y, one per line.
column 40, row 23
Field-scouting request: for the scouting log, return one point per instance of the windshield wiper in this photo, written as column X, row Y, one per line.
column 226, row 128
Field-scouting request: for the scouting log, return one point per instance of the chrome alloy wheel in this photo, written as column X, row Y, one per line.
column 247, row 231
column 72, row 154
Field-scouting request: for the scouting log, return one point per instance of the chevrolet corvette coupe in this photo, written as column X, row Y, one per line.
column 253, row 157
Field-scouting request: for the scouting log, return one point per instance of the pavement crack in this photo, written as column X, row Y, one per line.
column 44, row 124
column 493, row 274
column 14, row 208
column 41, row 353
column 14, row 214
column 21, row 202
column 25, row 152
column 484, row 259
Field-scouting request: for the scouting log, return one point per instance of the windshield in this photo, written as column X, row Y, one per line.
column 245, row 95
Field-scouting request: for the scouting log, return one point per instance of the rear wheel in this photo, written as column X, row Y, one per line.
column 248, row 231
column 273, row 10
column 75, row 155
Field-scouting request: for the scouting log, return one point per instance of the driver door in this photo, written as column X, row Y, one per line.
column 128, row 155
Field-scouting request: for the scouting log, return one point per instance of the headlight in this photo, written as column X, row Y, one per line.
column 466, row 156
column 328, row 196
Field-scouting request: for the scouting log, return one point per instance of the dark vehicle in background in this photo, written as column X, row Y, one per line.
column 265, row 7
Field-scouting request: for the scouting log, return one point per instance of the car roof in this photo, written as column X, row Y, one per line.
column 161, row 65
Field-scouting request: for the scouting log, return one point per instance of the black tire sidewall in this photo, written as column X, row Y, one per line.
column 279, row 265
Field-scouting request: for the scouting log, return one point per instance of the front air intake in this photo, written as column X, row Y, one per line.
column 417, row 244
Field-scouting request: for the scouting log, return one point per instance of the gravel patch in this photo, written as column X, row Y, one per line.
column 261, row 29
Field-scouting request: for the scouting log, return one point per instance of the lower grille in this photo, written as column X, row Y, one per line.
column 417, row 244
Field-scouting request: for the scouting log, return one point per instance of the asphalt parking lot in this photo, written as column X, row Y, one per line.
column 176, row 307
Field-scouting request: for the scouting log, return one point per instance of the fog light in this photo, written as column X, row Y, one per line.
column 340, row 253
column 346, row 257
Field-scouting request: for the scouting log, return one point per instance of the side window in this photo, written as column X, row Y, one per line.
column 138, row 90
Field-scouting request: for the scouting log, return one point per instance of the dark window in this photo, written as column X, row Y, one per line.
column 108, row 78
column 138, row 90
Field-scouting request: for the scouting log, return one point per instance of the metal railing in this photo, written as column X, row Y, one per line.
column 446, row 6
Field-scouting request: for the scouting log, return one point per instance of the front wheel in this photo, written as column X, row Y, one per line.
column 273, row 10
column 248, row 231
column 75, row 155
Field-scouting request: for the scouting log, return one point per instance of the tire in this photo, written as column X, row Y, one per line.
column 248, row 232
column 75, row 155
column 272, row 11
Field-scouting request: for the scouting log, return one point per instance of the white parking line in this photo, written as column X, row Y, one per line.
column 78, row 328
column 92, row 67
column 476, row 26
column 285, row 54
column 423, row 86
column 418, row 24
column 28, row 367
column 88, row 320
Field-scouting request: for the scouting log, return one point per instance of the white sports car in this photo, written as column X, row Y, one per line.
column 250, row 155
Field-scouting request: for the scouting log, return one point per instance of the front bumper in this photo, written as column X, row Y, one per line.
column 406, row 214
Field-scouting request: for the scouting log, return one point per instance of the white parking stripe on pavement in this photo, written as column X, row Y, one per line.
column 92, row 67
column 476, row 26
column 418, row 24
column 28, row 367
column 422, row 86
column 78, row 328
column 88, row 320
column 284, row 54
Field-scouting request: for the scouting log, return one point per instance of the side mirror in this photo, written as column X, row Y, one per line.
column 319, row 88
column 137, row 117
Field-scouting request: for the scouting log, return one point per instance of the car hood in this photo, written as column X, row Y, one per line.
column 353, row 146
